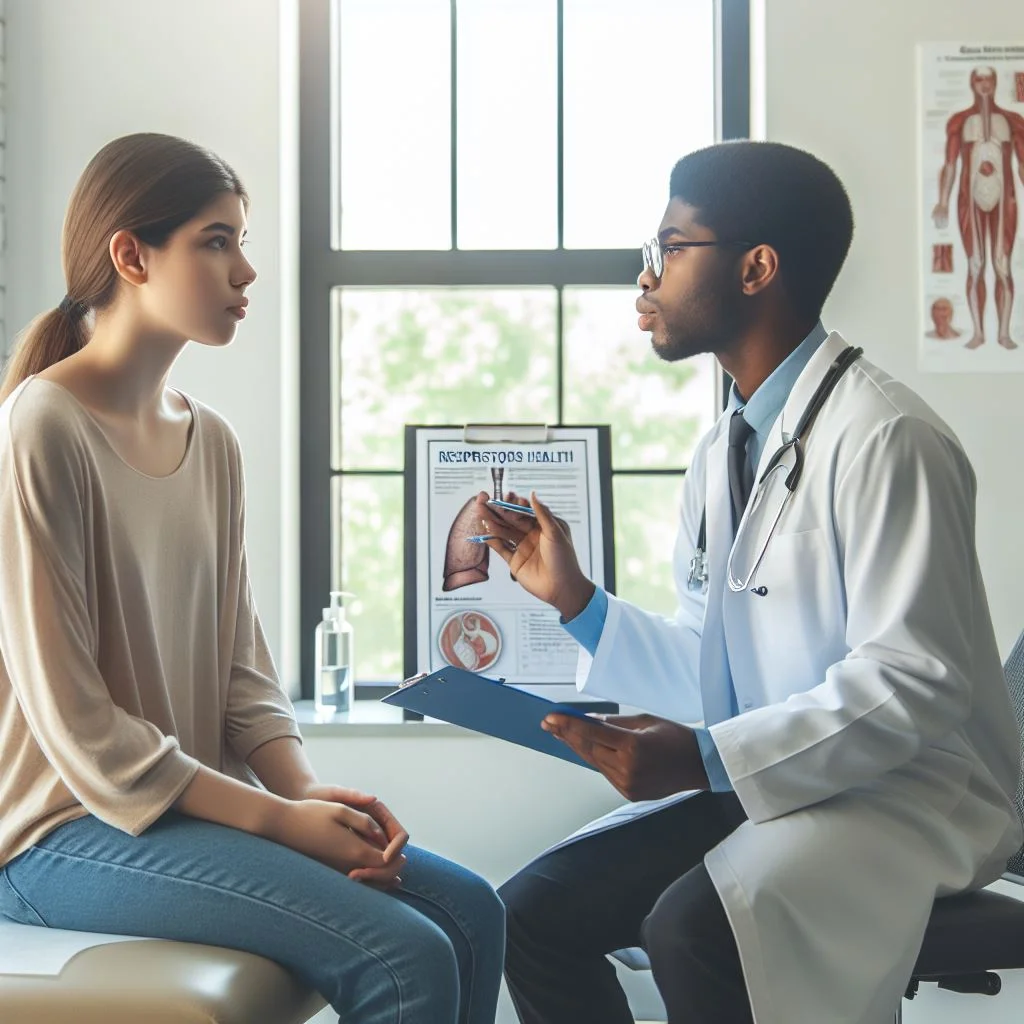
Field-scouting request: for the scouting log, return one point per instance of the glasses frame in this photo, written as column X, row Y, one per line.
column 653, row 251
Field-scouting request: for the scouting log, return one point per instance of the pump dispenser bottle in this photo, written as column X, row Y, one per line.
column 333, row 659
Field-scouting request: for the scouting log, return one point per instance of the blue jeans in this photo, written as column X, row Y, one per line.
column 429, row 953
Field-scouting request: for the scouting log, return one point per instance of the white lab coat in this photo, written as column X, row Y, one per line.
column 876, row 752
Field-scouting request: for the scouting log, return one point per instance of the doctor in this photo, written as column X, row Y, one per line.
column 859, row 750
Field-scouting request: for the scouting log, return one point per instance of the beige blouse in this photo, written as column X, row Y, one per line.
column 130, row 647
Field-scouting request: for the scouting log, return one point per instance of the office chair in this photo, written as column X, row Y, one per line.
column 970, row 937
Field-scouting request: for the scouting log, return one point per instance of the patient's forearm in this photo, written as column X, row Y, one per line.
column 282, row 766
column 215, row 797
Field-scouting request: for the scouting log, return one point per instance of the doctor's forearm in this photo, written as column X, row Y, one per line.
column 574, row 598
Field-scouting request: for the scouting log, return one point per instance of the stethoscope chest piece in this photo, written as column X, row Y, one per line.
column 698, row 574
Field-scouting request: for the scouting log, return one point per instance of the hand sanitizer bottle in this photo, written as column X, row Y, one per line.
column 332, row 688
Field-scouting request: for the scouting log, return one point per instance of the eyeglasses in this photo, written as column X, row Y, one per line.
column 654, row 252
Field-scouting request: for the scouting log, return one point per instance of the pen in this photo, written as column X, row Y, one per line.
column 521, row 509
column 482, row 538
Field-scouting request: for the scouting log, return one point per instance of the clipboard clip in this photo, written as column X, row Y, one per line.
column 423, row 675
column 521, row 433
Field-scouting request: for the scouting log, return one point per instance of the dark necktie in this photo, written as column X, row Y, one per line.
column 741, row 473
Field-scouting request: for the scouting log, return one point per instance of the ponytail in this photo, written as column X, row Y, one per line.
column 48, row 339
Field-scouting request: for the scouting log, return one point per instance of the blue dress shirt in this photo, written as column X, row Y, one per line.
column 760, row 411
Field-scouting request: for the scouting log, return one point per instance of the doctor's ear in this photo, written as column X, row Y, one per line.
column 760, row 268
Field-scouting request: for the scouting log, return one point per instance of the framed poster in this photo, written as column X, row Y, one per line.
column 971, row 130
column 462, row 607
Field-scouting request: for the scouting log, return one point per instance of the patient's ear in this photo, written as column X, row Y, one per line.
column 127, row 254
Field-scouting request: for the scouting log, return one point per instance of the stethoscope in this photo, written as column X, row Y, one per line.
column 698, row 574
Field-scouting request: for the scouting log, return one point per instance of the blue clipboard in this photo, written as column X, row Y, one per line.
column 488, row 706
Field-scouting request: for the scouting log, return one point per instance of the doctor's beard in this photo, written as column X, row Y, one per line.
column 706, row 320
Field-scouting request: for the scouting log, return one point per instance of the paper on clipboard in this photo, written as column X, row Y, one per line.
column 486, row 706
column 462, row 607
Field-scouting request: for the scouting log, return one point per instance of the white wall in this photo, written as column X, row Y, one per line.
column 81, row 72
column 840, row 81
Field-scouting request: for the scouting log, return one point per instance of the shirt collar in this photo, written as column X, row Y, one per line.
column 765, row 404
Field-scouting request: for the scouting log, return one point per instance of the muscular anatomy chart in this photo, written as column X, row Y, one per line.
column 973, row 153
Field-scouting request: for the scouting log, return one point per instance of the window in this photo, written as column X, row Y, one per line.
column 476, row 179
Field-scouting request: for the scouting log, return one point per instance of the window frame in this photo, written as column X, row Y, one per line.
column 323, row 268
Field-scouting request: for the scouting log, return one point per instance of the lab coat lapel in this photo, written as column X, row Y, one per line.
column 715, row 665
column 735, row 609
column 800, row 397
column 714, row 659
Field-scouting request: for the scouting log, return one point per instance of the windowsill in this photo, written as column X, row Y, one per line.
column 370, row 718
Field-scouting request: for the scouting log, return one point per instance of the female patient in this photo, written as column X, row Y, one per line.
column 139, row 704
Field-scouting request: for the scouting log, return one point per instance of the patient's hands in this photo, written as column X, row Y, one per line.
column 390, row 837
column 366, row 844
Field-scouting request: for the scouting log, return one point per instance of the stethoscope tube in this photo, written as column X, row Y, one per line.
column 845, row 359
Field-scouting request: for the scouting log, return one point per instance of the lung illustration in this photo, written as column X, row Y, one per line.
column 465, row 563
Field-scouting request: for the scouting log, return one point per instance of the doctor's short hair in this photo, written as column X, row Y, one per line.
column 770, row 193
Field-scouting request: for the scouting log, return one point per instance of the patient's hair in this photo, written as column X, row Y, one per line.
column 777, row 195
column 146, row 183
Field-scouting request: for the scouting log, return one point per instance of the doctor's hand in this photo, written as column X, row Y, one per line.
column 643, row 757
column 539, row 554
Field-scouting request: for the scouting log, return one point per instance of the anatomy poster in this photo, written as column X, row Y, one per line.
column 470, row 612
column 972, row 168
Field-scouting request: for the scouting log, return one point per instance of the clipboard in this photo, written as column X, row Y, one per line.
column 487, row 706
column 431, row 451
